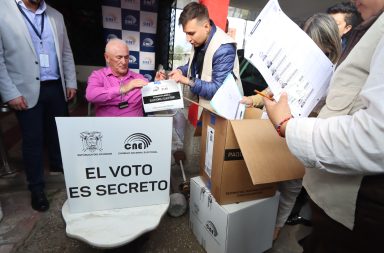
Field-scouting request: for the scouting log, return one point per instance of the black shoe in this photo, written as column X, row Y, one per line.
column 39, row 201
column 297, row 219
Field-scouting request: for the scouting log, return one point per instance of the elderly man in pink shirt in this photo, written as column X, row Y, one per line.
column 115, row 90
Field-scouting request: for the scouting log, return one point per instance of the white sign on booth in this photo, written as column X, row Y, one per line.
column 115, row 162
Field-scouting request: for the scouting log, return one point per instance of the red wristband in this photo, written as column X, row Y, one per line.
column 278, row 126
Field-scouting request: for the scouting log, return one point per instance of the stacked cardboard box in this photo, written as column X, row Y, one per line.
column 242, row 227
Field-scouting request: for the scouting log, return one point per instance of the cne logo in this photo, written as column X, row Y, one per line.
column 132, row 59
column 137, row 141
column 111, row 19
column 211, row 228
column 111, row 36
column 130, row 20
column 147, row 61
column 148, row 76
column 130, row 41
column 148, row 42
column 148, row 23
column 149, row 2
column 91, row 141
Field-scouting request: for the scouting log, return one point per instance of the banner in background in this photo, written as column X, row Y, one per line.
column 115, row 162
column 135, row 22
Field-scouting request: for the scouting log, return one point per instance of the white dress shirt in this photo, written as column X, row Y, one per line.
column 351, row 144
column 339, row 150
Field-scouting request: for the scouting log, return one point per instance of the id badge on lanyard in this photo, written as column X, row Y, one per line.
column 43, row 57
column 44, row 60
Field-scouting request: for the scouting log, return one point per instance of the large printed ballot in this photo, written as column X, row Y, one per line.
column 162, row 95
column 112, row 163
column 288, row 59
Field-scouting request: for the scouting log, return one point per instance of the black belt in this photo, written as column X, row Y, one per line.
column 50, row 82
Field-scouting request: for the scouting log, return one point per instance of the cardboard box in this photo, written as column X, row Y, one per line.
column 242, row 227
column 242, row 160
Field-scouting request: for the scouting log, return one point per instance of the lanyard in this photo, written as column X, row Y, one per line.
column 30, row 22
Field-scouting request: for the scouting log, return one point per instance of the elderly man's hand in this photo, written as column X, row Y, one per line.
column 278, row 112
column 133, row 84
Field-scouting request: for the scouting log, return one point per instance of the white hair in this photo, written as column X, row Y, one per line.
column 114, row 41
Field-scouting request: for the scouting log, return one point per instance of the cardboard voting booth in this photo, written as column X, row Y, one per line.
column 112, row 163
column 242, row 160
column 241, row 227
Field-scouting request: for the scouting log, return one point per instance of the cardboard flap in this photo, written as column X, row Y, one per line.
column 266, row 154
column 205, row 105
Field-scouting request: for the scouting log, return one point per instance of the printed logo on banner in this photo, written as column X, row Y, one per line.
column 114, row 3
column 130, row 4
column 92, row 141
column 137, row 143
column 131, row 20
column 147, row 61
column 111, row 34
column 147, row 42
column 132, row 39
column 149, row 5
column 92, row 144
column 111, row 17
column 149, row 74
column 134, row 60
column 148, row 22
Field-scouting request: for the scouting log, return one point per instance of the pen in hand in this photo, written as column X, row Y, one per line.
column 263, row 95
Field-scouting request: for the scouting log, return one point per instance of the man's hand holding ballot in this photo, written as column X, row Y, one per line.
column 133, row 84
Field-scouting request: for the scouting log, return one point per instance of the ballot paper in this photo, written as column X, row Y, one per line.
column 288, row 59
column 162, row 95
column 226, row 101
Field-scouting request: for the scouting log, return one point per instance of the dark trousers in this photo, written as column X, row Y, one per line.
column 329, row 236
column 38, row 126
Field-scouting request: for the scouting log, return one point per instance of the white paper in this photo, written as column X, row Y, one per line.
column 226, row 100
column 209, row 150
column 288, row 59
column 162, row 95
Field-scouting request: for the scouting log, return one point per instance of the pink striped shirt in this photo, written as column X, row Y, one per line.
column 103, row 90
